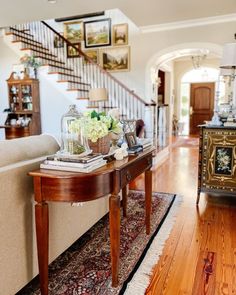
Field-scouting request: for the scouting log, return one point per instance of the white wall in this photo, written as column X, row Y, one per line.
column 7, row 58
column 148, row 46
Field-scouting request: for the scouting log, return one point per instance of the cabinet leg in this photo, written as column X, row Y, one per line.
column 114, row 217
column 41, row 218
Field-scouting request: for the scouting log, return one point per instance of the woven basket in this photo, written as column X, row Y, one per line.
column 102, row 145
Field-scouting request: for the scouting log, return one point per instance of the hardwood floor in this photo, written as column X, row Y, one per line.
column 200, row 255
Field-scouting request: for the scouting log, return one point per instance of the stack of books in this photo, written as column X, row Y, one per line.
column 145, row 142
column 74, row 164
column 135, row 149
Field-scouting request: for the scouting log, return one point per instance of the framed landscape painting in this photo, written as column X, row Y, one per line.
column 97, row 33
column 58, row 42
column 93, row 54
column 116, row 59
column 120, row 34
column 73, row 31
column 71, row 51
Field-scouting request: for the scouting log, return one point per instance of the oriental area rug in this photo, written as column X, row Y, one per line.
column 85, row 267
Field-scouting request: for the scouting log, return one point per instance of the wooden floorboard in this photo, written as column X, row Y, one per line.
column 199, row 257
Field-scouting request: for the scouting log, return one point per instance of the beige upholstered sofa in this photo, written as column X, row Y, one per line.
column 18, row 254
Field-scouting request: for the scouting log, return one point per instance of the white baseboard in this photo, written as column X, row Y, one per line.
column 161, row 157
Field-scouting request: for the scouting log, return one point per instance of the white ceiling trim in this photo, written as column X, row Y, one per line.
column 189, row 23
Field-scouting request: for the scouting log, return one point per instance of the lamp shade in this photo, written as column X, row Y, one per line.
column 98, row 94
column 228, row 60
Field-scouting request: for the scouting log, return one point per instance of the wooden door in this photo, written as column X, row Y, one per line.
column 201, row 104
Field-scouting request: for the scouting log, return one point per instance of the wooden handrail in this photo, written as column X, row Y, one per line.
column 98, row 66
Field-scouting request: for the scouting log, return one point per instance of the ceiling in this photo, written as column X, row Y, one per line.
column 142, row 13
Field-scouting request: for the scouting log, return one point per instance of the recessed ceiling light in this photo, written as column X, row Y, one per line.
column 52, row 1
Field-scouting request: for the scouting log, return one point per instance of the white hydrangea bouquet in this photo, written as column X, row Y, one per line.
column 96, row 125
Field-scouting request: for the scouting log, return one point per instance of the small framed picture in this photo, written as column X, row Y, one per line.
column 93, row 54
column 58, row 41
column 71, row 51
column 131, row 139
column 97, row 33
column 120, row 34
column 73, row 31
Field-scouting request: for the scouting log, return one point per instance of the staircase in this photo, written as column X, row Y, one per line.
column 81, row 73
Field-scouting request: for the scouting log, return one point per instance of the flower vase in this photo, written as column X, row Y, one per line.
column 30, row 72
column 102, row 145
column 35, row 73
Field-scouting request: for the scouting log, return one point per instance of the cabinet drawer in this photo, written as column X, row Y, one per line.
column 133, row 170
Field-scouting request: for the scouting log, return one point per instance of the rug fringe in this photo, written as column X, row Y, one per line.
column 142, row 277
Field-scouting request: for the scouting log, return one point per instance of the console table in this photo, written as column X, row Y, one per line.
column 217, row 160
column 61, row 186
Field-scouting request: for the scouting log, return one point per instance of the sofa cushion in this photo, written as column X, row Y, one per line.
column 26, row 148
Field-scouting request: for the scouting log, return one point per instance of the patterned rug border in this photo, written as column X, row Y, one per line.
column 132, row 284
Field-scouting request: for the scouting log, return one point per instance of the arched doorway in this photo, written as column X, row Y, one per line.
column 164, row 59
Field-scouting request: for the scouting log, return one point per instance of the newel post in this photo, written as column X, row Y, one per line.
column 150, row 120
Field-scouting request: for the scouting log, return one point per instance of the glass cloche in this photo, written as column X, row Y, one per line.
column 73, row 143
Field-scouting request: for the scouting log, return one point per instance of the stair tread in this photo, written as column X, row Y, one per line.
column 32, row 49
column 73, row 82
column 66, row 74
column 77, row 89
column 29, row 41
column 50, row 59
column 56, row 66
column 24, row 31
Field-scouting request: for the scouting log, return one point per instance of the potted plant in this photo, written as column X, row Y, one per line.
column 31, row 64
column 97, row 127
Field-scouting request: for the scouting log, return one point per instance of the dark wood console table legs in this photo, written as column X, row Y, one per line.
column 124, row 200
column 114, row 218
column 62, row 186
column 41, row 219
column 148, row 199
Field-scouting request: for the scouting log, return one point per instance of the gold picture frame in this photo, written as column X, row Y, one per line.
column 116, row 59
column 93, row 54
column 120, row 34
column 74, row 31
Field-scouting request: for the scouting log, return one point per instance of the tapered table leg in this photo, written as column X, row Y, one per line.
column 41, row 218
column 148, row 199
column 124, row 200
column 114, row 217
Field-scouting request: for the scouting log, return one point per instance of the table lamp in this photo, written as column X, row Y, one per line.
column 98, row 94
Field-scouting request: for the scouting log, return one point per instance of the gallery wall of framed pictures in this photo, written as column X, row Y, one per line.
column 106, row 44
